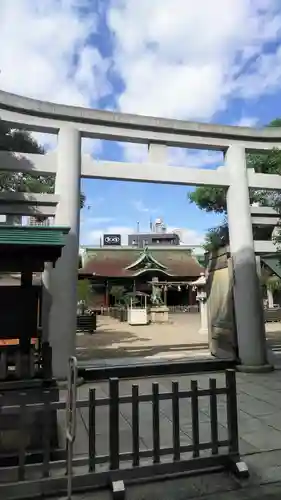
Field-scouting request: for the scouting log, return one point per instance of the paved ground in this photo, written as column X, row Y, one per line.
column 179, row 339
column 259, row 408
column 120, row 340
column 259, row 403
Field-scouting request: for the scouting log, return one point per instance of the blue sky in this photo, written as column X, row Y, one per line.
column 216, row 61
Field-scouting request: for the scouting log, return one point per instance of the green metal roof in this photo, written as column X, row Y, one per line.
column 273, row 262
column 33, row 235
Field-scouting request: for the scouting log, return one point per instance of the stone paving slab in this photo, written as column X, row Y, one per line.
column 259, row 416
column 259, row 412
column 210, row 487
column 113, row 340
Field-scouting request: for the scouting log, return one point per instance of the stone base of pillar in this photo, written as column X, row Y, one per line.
column 255, row 369
column 63, row 384
column 159, row 314
column 203, row 331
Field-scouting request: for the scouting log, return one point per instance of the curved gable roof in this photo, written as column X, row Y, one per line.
column 126, row 262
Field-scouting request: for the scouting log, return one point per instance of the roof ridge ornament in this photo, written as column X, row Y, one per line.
column 146, row 254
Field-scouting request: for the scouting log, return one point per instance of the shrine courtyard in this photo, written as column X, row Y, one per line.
column 176, row 340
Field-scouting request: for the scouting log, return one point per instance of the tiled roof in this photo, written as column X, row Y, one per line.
column 113, row 262
column 33, row 235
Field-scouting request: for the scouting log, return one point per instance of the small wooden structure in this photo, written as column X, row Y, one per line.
column 138, row 315
column 25, row 250
column 25, row 362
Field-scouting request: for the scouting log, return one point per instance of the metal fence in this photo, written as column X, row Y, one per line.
column 121, row 312
column 184, row 309
column 54, row 473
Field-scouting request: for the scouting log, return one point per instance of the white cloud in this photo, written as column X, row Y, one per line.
column 180, row 157
column 94, row 236
column 47, row 54
column 184, row 59
column 97, row 221
column 135, row 153
column 140, row 206
column 193, row 159
column 188, row 236
column 247, row 121
column 42, row 40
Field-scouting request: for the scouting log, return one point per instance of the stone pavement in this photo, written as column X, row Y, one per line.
column 177, row 340
column 259, row 413
column 173, row 340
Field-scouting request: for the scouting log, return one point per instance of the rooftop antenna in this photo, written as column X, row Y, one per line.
column 138, row 230
column 150, row 225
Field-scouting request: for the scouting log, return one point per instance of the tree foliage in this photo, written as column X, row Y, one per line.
column 118, row 292
column 84, row 291
column 273, row 283
column 213, row 199
column 21, row 141
column 216, row 237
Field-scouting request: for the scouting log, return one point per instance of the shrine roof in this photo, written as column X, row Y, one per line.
column 33, row 236
column 130, row 262
column 24, row 247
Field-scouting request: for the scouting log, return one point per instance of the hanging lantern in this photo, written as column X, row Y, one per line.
column 165, row 288
column 179, row 288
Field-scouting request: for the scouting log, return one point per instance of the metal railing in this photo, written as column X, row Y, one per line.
column 120, row 313
column 184, row 309
column 71, row 421
column 53, row 472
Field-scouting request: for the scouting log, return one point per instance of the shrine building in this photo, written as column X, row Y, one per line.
column 175, row 266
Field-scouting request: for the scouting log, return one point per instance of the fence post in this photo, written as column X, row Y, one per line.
column 176, row 420
column 71, row 420
column 195, row 418
column 46, row 434
column 135, row 426
column 155, row 423
column 92, row 430
column 114, row 423
column 232, row 424
column 22, row 439
column 214, row 415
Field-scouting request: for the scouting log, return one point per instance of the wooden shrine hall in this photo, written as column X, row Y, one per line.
column 134, row 269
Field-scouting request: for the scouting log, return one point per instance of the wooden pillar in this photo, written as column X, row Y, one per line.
column 23, row 362
column 165, row 294
column 190, row 296
column 106, row 294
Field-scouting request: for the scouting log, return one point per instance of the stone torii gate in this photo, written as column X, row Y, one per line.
column 70, row 124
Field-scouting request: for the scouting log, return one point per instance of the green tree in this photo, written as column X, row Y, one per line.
column 21, row 141
column 213, row 199
column 273, row 283
column 118, row 292
column 84, row 293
